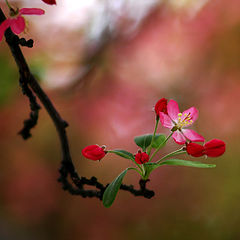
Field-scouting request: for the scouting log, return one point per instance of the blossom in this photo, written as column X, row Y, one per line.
column 51, row 2
column 161, row 106
column 141, row 158
column 177, row 122
column 93, row 152
column 213, row 148
column 16, row 21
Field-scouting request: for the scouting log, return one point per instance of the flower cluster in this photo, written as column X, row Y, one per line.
column 169, row 115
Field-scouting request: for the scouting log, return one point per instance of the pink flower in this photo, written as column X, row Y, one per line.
column 141, row 158
column 213, row 148
column 161, row 106
column 16, row 22
column 51, row 2
column 177, row 122
column 93, row 152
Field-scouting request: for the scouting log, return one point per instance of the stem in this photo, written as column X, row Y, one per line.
column 112, row 151
column 153, row 137
column 132, row 168
column 9, row 6
column 156, row 151
column 177, row 152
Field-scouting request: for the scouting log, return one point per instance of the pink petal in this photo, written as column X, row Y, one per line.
column 31, row 11
column 179, row 137
column 192, row 135
column 166, row 121
column 17, row 24
column 193, row 114
column 173, row 110
column 5, row 24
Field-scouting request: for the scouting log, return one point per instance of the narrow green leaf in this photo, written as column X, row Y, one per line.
column 149, row 167
column 159, row 140
column 124, row 154
column 112, row 189
column 181, row 162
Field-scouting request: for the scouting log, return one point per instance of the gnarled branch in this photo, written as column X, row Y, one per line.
column 67, row 168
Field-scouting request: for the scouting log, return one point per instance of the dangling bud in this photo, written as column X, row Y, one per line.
column 94, row 152
column 195, row 150
column 214, row 148
column 161, row 106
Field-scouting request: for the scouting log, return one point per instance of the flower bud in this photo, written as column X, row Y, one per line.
column 141, row 158
column 161, row 106
column 214, row 148
column 51, row 2
column 93, row 152
column 195, row 150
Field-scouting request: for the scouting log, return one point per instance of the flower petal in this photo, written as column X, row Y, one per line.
column 195, row 150
column 179, row 137
column 173, row 110
column 31, row 11
column 17, row 24
column 166, row 121
column 5, row 24
column 192, row 135
column 214, row 148
column 193, row 114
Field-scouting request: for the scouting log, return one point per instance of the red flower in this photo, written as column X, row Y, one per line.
column 141, row 158
column 93, row 152
column 213, row 148
column 51, row 2
column 195, row 150
column 16, row 22
column 161, row 106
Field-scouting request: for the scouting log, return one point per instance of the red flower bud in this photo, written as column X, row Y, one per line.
column 161, row 106
column 195, row 150
column 93, row 152
column 51, row 2
column 214, row 148
column 141, row 158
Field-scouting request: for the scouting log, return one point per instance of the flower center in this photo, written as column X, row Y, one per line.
column 184, row 120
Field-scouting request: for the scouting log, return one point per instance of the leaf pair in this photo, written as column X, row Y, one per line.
column 145, row 140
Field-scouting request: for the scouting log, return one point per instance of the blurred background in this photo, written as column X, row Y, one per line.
column 104, row 64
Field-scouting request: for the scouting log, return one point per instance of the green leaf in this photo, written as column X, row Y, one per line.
column 180, row 162
column 149, row 167
column 143, row 141
column 124, row 154
column 159, row 140
column 112, row 189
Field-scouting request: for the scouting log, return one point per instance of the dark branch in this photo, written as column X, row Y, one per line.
column 32, row 121
column 67, row 168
